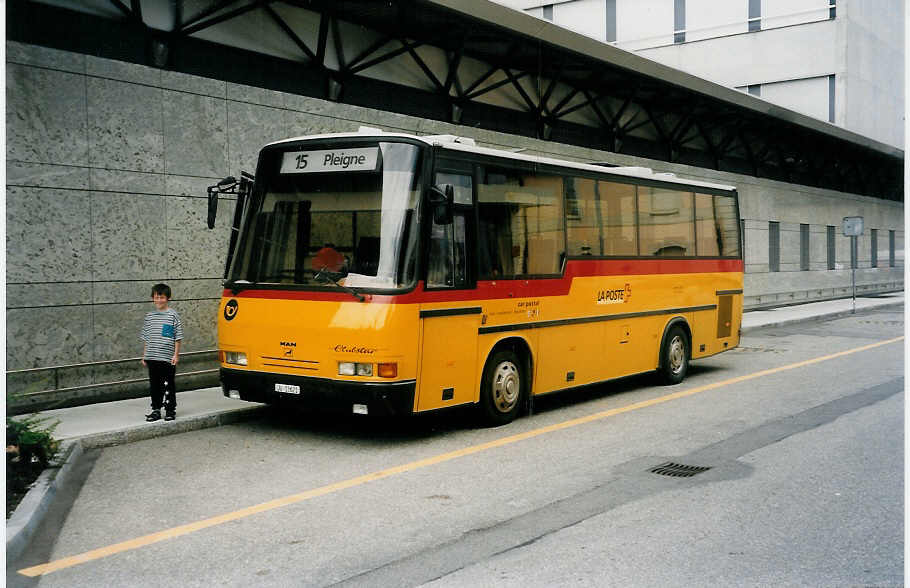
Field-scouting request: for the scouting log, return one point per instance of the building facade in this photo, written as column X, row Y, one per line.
column 840, row 61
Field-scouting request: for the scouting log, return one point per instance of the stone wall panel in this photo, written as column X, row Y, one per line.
column 251, row 127
column 110, row 180
column 173, row 80
column 194, row 250
column 125, row 126
column 48, row 294
column 45, row 116
column 116, row 329
column 48, row 235
column 40, row 337
column 129, row 237
column 132, row 73
column 195, row 135
column 200, row 322
column 25, row 54
column 176, row 185
column 43, row 175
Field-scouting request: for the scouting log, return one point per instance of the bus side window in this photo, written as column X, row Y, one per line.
column 666, row 222
column 522, row 224
column 727, row 229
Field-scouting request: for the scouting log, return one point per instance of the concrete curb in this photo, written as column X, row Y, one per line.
column 821, row 317
column 27, row 517
column 165, row 428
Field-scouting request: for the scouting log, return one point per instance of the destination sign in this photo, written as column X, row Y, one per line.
column 332, row 160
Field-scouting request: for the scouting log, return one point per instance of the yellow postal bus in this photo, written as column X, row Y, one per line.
column 387, row 273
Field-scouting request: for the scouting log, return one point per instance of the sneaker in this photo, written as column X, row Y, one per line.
column 153, row 416
column 170, row 416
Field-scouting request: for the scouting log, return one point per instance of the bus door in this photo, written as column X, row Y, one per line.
column 449, row 351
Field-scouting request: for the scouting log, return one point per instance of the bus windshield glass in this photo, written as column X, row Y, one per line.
column 325, row 217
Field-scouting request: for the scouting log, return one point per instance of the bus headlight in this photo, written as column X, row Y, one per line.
column 235, row 357
column 350, row 368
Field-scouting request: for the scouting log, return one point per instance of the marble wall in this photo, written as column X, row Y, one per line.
column 107, row 165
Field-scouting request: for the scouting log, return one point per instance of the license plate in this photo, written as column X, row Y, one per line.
column 287, row 388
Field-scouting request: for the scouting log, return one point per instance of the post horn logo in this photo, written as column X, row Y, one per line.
column 230, row 310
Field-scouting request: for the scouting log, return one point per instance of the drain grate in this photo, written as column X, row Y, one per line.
column 678, row 470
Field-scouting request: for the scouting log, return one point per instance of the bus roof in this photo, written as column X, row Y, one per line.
column 468, row 145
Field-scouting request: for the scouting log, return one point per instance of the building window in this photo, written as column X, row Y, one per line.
column 874, row 233
column 804, row 247
column 831, row 98
column 890, row 248
column 754, row 89
column 679, row 21
column 754, row 15
column 548, row 12
column 832, row 9
column 831, row 247
column 611, row 21
column 774, row 246
column 742, row 232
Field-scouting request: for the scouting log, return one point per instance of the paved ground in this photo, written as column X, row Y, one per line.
column 801, row 426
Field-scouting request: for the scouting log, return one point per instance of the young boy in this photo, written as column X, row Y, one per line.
column 161, row 333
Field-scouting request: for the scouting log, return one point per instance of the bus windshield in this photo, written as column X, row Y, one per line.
column 326, row 217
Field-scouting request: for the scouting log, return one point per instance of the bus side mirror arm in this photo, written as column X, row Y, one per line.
column 442, row 199
column 230, row 185
column 227, row 186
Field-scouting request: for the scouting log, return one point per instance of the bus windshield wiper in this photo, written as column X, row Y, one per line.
column 326, row 276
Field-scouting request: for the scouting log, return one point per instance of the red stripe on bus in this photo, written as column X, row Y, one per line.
column 516, row 288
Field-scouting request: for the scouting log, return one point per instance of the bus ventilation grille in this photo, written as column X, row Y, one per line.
column 678, row 470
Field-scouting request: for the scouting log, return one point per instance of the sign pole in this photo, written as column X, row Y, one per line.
column 853, row 228
column 853, row 254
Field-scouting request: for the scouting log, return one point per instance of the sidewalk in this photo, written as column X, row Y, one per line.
column 828, row 309
column 115, row 423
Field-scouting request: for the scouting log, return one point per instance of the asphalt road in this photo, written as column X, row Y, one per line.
column 801, row 429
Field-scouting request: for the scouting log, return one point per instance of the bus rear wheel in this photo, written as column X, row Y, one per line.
column 674, row 357
column 502, row 388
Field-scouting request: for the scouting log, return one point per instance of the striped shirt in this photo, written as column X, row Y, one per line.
column 160, row 331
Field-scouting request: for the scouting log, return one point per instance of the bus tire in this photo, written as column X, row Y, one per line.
column 674, row 356
column 502, row 388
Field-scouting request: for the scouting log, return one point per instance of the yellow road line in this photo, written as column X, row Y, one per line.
column 145, row 540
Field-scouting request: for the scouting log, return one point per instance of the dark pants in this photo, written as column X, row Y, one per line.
column 162, row 385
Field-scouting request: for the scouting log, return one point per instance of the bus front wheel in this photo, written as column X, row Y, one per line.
column 502, row 388
column 674, row 356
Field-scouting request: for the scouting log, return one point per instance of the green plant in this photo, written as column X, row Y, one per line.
column 33, row 438
column 30, row 447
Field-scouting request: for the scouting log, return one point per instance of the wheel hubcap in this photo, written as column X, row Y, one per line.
column 677, row 355
column 506, row 386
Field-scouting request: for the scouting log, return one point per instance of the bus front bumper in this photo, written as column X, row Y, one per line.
column 320, row 394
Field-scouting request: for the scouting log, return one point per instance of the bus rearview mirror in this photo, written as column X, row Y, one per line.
column 225, row 185
column 442, row 198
